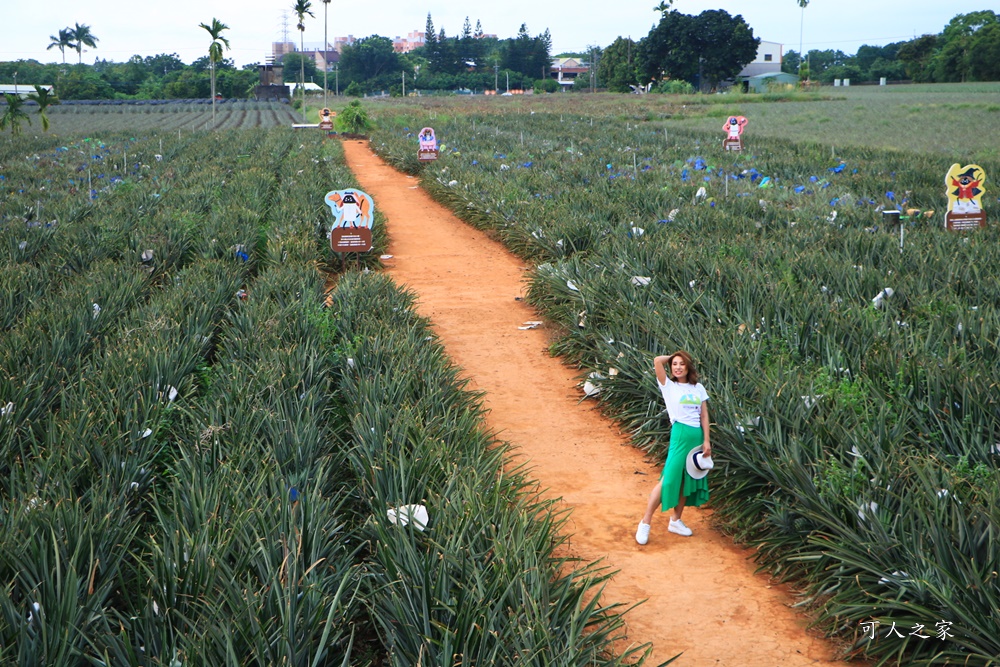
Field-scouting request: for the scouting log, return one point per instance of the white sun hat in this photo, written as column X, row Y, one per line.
column 697, row 464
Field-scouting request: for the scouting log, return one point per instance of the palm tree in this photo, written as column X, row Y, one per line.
column 301, row 8
column 326, row 49
column 62, row 42
column 14, row 114
column 803, row 4
column 83, row 37
column 45, row 98
column 215, row 51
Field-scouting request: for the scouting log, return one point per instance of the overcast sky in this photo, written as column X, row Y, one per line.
column 171, row 26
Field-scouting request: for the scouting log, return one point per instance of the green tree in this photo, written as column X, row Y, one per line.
column 790, row 62
column 984, row 54
column 916, row 56
column 707, row 48
column 14, row 114
column 297, row 61
column 301, row 9
column 62, row 42
column 215, row 51
column 953, row 60
column 82, row 36
column 368, row 59
column 44, row 98
column 618, row 66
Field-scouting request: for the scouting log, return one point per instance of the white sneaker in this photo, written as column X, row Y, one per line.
column 677, row 526
column 642, row 533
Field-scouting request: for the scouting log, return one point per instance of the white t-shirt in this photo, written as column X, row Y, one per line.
column 683, row 402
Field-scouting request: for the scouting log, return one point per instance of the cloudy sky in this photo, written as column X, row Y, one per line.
column 171, row 26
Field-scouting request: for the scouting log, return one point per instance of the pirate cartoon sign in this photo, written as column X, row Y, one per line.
column 326, row 119
column 353, row 213
column 428, row 145
column 965, row 197
column 734, row 133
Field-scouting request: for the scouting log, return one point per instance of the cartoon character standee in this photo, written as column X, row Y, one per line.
column 326, row 119
column 734, row 133
column 428, row 145
column 353, row 213
column 965, row 197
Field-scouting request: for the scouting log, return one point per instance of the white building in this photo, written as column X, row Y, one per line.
column 768, row 60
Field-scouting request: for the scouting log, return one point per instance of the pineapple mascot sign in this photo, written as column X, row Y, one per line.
column 965, row 197
column 354, row 215
column 734, row 133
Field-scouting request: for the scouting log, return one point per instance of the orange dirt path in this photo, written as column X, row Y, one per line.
column 703, row 598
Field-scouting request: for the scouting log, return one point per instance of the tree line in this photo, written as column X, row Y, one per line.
column 967, row 49
column 470, row 60
column 163, row 76
column 680, row 53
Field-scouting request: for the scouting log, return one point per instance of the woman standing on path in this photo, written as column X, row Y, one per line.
column 687, row 406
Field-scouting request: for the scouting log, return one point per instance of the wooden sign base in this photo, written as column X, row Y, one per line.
column 957, row 222
column 732, row 144
column 351, row 239
column 427, row 155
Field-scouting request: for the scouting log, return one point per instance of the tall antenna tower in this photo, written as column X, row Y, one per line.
column 284, row 26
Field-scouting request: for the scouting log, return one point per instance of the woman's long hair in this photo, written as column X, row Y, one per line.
column 692, row 372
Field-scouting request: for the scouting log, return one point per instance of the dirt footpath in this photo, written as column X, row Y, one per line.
column 703, row 598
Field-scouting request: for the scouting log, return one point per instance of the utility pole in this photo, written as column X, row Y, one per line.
column 496, row 75
column 336, row 73
column 326, row 50
column 404, row 83
column 508, row 80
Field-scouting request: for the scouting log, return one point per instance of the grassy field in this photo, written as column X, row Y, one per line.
column 860, row 433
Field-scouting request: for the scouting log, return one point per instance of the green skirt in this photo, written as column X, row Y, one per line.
column 683, row 439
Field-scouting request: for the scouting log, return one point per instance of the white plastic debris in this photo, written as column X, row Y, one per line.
column 572, row 285
column 350, row 362
column 22, row 245
column 701, row 194
column 897, row 574
column 97, row 311
column 763, row 204
column 504, row 167
column 638, row 231
column 530, row 324
column 417, row 514
column 145, row 434
column 591, row 389
column 811, row 400
column 854, row 452
column 673, row 214
column 870, row 507
column 147, row 255
column 692, row 284
column 832, row 217
column 640, row 281
column 385, row 256
column 452, row 184
column 943, row 493
column 612, row 371
column 158, row 157
column 8, row 411
column 171, row 393
column 880, row 298
column 582, row 322
column 36, row 609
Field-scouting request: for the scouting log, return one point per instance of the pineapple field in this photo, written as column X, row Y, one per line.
column 217, row 439
column 201, row 446
column 854, row 364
